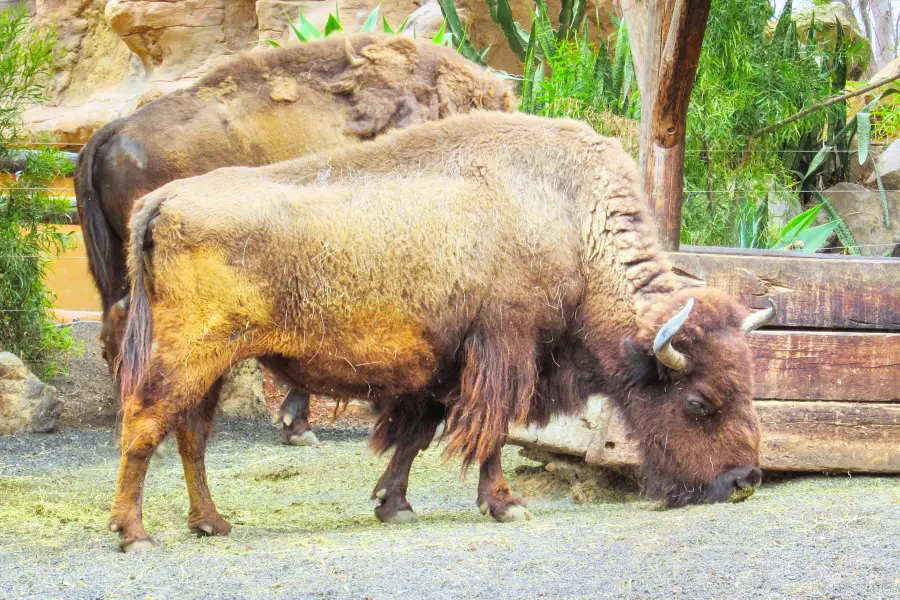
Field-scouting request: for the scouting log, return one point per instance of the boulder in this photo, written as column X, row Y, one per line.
column 862, row 211
column 242, row 392
column 888, row 165
column 27, row 405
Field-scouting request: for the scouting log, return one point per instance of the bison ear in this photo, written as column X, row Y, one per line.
column 639, row 362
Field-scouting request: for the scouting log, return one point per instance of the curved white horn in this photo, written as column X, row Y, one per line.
column 662, row 345
column 760, row 318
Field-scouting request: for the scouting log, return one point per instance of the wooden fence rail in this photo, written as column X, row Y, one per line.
column 827, row 372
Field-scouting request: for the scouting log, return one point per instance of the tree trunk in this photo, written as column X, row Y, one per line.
column 884, row 42
column 666, row 38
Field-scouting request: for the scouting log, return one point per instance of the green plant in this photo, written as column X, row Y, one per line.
column 577, row 77
column 797, row 234
column 27, row 244
column 747, row 80
column 305, row 31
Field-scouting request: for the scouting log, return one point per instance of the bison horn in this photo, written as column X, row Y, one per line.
column 760, row 318
column 662, row 345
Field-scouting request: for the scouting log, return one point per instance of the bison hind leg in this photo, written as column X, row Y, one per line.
column 407, row 424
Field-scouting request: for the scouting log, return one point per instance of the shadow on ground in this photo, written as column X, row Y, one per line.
column 304, row 528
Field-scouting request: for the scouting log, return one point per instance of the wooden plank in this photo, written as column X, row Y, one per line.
column 826, row 365
column 811, row 290
column 797, row 436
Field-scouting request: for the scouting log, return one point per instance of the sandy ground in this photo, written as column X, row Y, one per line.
column 304, row 528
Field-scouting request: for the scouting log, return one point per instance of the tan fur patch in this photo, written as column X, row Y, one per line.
column 224, row 88
column 284, row 89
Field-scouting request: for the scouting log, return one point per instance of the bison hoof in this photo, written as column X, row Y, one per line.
column 136, row 544
column 307, row 438
column 215, row 526
column 505, row 513
column 515, row 512
column 404, row 517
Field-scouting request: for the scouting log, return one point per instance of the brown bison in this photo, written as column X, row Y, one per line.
column 256, row 109
column 483, row 269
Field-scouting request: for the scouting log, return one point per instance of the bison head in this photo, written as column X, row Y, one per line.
column 689, row 398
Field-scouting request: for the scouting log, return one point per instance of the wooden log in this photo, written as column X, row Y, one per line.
column 826, row 365
column 797, row 436
column 812, row 290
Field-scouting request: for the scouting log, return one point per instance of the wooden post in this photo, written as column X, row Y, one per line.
column 666, row 37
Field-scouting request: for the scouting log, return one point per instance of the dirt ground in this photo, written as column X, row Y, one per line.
column 304, row 528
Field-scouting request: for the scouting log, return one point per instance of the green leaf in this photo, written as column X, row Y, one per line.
column 784, row 24
column 883, row 197
column 463, row 45
column 528, row 89
column 863, row 135
column 371, row 21
column 439, row 36
column 797, row 225
column 565, row 19
column 386, row 28
column 332, row 25
column 273, row 43
column 814, row 238
column 843, row 232
column 503, row 16
column 545, row 34
column 306, row 30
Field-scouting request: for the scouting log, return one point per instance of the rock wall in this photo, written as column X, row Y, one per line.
column 120, row 54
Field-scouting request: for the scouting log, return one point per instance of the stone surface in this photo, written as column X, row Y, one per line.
column 888, row 165
column 120, row 54
column 242, row 392
column 862, row 210
column 26, row 403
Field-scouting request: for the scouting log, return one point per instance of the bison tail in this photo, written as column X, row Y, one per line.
column 101, row 242
column 138, row 339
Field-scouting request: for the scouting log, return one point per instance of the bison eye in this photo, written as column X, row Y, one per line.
column 700, row 407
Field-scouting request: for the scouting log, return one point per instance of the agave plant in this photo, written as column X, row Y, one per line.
column 305, row 31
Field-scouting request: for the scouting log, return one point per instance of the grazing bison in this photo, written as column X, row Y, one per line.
column 256, row 109
column 483, row 269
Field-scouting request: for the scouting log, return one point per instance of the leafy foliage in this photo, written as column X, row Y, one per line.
column 577, row 78
column 745, row 82
column 27, row 244
column 305, row 31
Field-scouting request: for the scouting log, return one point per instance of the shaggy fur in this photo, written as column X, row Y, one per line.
column 502, row 267
column 255, row 109
column 261, row 107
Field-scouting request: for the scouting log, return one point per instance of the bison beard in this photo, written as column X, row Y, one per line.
column 443, row 276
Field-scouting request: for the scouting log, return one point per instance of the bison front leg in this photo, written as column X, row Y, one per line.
column 192, row 435
column 294, row 417
column 494, row 495
column 144, row 426
column 409, row 425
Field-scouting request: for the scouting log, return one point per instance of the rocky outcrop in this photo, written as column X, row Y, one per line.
column 27, row 405
column 120, row 54
column 242, row 392
column 862, row 211
column 888, row 165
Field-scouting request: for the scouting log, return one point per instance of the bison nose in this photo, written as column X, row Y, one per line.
column 747, row 478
